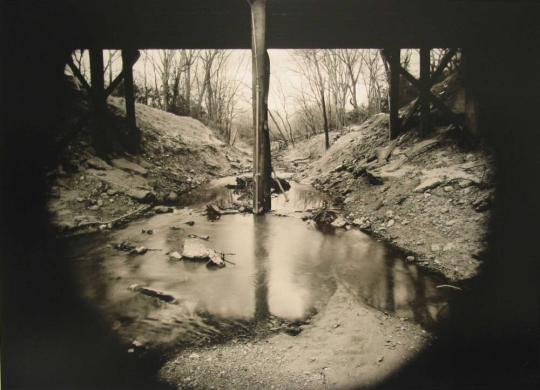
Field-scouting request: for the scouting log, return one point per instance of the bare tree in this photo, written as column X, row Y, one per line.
column 374, row 79
column 111, row 57
column 353, row 61
column 309, row 63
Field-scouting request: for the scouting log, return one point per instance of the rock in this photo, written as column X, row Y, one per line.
column 389, row 214
column 380, row 359
column 80, row 200
column 212, row 211
column 448, row 247
column 435, row 248
column 175, row 256
column 172, row 197
column 111, row 192
column 124, row 246
column 390, row 223
column 97, row 163
column 428, row 184
column 94, row 207
column 324, row 217
column 448, row 188
column 149, row 231
column 190, row 223
column 125, row 165
column 465, row 183
column 152, row 293
column 140, row 250
column 482, row 203
column 410, row 258
column 363, row 223
column 144, row 196
column 194, row 356
column 175, row 227
column 206, row 238
column 339, row 222
column 137, row 344
column 163, row 209
column 195, row 251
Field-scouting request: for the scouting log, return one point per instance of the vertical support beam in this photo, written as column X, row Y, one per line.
column 128, row 59
column 260, row 84
column 393, row 56
column 424, row 90
column 97, row 79
column 98, row 98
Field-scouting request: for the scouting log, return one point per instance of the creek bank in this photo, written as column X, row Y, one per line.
column 366, row 346
column 428, row 196
column 178, row 154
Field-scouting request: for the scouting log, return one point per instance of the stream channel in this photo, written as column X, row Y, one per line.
column 285, row 270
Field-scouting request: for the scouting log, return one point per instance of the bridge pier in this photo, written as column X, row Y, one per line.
column 262, row 167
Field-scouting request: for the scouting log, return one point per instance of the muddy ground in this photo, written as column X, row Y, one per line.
column 348, row 344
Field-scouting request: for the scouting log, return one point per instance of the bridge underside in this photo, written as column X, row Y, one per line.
column 291, row 23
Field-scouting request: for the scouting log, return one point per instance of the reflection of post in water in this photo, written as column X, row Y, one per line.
column 389, row 279
column 260, row 230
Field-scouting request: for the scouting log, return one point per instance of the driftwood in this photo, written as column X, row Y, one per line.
column 278, row 180
column 122, row 219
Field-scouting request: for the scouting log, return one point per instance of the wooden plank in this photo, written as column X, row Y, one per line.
column 77, row 73
column 118, row 79
column 128, row 59
column 434, row 99
column 97, row 79
column 442, row 64
column 424, row 90
column 260, row 80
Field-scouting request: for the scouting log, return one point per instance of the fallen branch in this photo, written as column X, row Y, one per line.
column 112, row 222
column 280, row 186
column 449, row 286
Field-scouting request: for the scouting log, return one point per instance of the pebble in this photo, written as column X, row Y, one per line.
column 390, row 223
column 435, row 248
column 448, row 188
column 410, row 258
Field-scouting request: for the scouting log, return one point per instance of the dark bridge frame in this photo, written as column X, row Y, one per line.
column 490, row 341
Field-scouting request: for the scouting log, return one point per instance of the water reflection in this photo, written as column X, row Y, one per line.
column 284, row 268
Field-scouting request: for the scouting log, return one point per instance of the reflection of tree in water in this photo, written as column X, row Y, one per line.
column 261, row 233
column 419, row 304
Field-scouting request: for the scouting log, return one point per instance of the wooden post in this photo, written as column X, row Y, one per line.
column 97, row 79
column 128, row 59
column 393, row 56
column 424, row 90
column 98, row 99
column 260, row 81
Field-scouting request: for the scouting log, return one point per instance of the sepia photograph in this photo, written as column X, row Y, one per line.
column 270, row 194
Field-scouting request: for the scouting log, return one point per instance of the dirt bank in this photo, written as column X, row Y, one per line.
column 427, row 195
column 366, row 346
column 177, row 155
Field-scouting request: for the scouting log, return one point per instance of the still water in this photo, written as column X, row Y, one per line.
column 283, row 267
